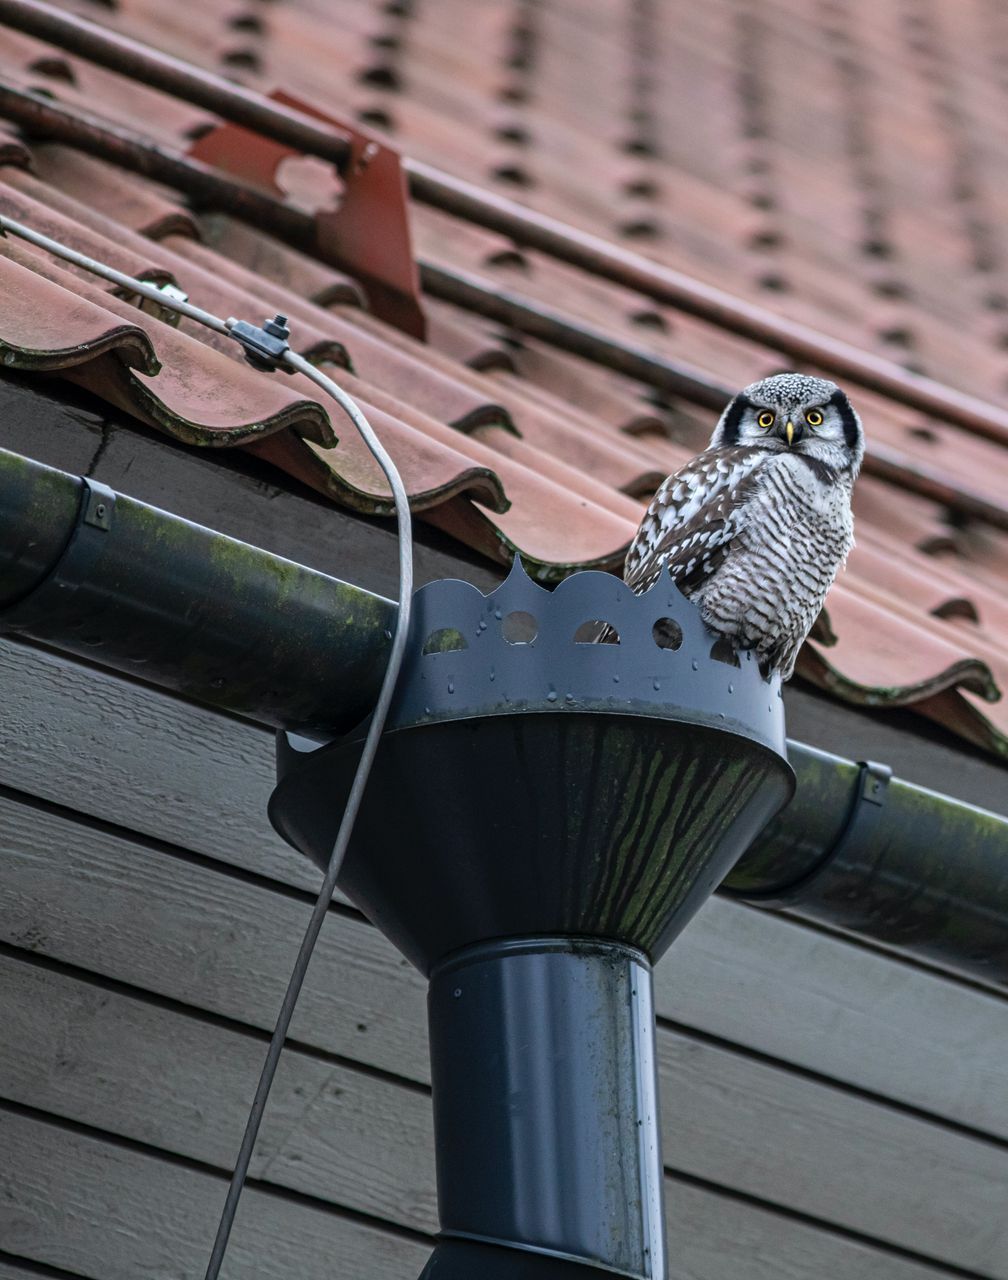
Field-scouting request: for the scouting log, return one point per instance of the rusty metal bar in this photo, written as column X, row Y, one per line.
column 206, row 187
column 46, row 118
column 537, row 321
column 579, row 339
column 159, row 70
column 675, row 289
column 533, row 230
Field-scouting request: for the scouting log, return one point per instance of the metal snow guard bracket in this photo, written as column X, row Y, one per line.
column 368, row 234
column 529, row 783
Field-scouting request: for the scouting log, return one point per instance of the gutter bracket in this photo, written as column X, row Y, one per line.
column 84, row 548
column 870, row 793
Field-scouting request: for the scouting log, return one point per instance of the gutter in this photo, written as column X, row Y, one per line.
column 886, row 860
column 159, row 599
column 148, row 594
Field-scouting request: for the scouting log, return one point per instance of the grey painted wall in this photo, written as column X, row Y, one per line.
column 827, row 1111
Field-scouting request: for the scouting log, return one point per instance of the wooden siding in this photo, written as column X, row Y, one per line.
column 827, row 1111
column 820, row 1101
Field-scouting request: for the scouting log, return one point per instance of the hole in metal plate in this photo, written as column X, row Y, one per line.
column 519, row 627
column 445, row 640
column 667, row 633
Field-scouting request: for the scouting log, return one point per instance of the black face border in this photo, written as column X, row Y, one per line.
column 847, row 416
column 733, row 417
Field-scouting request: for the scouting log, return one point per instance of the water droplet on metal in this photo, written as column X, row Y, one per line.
column 551, row 696
column 615, row 679
column 451, row 686
column 657, row 685
column 568, row 697
column 695, row 665
column 426, row 711
column 731, row 688
column 493, row 675
column 498, row 614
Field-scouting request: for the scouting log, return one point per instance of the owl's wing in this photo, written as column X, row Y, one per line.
column 693, row 517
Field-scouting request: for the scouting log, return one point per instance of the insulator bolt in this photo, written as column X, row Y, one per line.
column 277, row 327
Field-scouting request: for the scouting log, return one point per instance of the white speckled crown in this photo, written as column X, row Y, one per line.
column 786, row 390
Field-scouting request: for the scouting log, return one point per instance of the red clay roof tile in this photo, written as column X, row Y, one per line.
column 854, row 219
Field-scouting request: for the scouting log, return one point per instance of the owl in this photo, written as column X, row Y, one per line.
column 755, row 528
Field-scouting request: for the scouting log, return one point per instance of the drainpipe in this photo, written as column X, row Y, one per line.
column 542, row 819
column 152, row 596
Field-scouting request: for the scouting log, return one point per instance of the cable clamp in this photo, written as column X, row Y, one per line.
column 265, row 346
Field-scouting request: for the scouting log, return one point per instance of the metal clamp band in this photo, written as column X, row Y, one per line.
column 73, row 568
column 870, row 793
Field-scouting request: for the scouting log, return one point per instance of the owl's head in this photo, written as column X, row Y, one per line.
column 794, row 411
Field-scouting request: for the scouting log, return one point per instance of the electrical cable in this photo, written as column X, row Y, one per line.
column 374, row 732
column 266, row 348
column 173, row 301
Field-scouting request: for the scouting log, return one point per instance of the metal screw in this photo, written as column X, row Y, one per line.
column 366, row 156
column 277, row 327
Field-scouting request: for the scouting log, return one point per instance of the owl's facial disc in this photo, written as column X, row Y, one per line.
column 792, row 411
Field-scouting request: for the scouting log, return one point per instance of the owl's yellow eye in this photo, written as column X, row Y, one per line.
column 814, row 418
column 766, row 420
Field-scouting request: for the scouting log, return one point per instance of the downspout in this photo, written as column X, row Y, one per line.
column 155, row 597
column 543, row 818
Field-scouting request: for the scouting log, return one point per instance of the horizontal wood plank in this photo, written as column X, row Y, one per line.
column 161, row 767
column 140, row 758
column 107, row 1212
column 17, row 1271
column 219, row 943
column 173, row 927
column 185, row 1085
column 70, row 1200
column 760, row 980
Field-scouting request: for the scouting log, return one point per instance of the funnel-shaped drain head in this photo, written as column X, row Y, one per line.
column 534, row 782
column 544, row 815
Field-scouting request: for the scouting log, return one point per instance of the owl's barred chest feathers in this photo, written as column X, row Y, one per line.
column 755, row 529
column 794, row 537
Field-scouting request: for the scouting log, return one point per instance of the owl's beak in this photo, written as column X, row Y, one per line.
column 791, row 432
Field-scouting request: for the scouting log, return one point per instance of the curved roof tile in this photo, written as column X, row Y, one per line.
column 509, row 444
